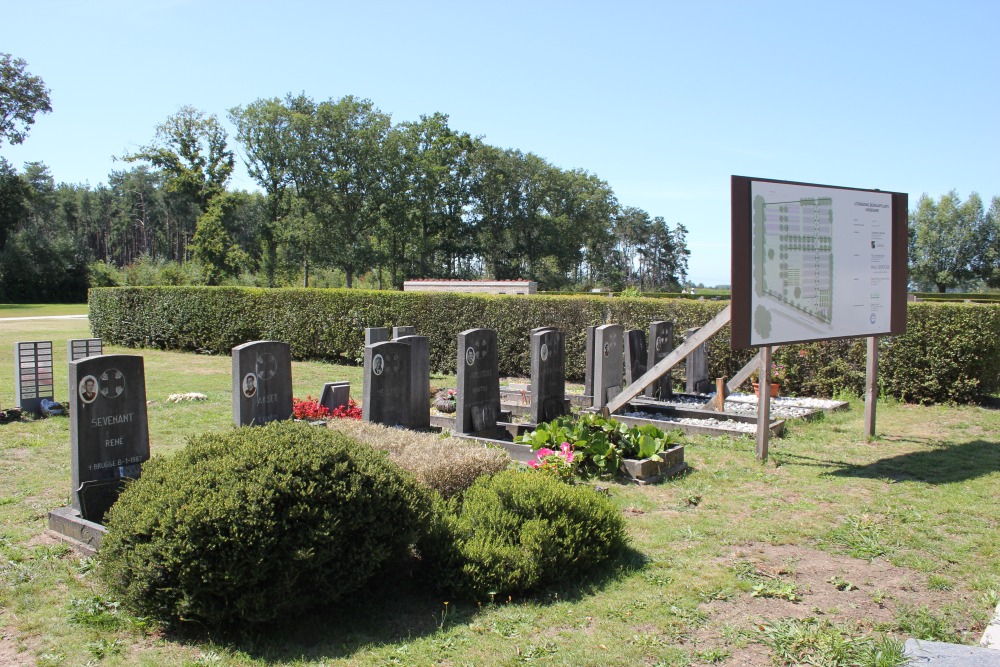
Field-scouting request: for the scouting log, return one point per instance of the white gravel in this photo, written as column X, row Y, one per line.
column 746, row 404
column 721, row 424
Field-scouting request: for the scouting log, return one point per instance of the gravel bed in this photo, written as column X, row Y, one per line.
column 721, row 424
column 746, row 404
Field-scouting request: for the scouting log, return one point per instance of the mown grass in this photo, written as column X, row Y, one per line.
column 922, row 496
column 41, row 309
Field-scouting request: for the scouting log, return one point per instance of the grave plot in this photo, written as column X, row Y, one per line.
column 782, row 407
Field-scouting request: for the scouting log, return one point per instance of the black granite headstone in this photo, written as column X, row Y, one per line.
column 335, row 395
column 376, row 335
column 661, row 343
column 399, row 332
column 387, row 383
column 478, row 396
column 588, row 381
column 420, row 381
column 109, row 432
column 548, row 375
column 262, row 382
column 33, row 374
column 696, row 367
column 609, row 362
column 635, row 355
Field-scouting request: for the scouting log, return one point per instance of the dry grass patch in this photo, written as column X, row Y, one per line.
column 448, row 465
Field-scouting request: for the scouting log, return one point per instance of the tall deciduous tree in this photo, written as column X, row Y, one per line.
column 22, row 96
column 946, row 238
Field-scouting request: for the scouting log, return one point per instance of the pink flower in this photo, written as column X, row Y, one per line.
column 534, row 464
column 545, row 451
column 567, row 452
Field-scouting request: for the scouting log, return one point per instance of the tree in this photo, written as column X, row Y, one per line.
column 266, row 129
column 987, row 263
column 190, row 148
column 22, row 96
column 946, row 238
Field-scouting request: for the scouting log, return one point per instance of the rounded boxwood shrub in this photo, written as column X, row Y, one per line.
column 252, row 524
column 517, row 531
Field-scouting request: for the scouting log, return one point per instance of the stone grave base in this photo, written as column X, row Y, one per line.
column 84, row 536
column 690, row 420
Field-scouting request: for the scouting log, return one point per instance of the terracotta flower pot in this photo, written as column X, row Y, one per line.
column 774, row 389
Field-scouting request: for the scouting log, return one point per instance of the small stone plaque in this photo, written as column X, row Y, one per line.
column 79, row 348
column 33, row 374
column 661, row 343
column 262, row 382
column 109, row 434
column 635, row 355
column 609, row 362
column 419, row 416
column 335, row 395
column 548, row 375
column 387, row 384
column 477, row 400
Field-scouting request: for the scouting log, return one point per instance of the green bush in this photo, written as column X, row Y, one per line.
column 950, row 352
column 250, row 525
column 517, row 531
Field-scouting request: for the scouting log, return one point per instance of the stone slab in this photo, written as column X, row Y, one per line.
column 941, row 654
column 84, row 536
column 262, row 382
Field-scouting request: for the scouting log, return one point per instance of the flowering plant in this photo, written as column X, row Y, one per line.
column 350, row 411
column 309, row 409
column 555, row 463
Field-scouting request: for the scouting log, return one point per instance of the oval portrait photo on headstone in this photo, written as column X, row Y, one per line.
column 112, row 383
column 607, row 349
column 659, row 343
column 470, row 356
column 544, row 352
column 249, row 385
column 378, row 364
column 87, row 389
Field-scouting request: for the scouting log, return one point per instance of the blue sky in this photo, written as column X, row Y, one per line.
column 664, row 100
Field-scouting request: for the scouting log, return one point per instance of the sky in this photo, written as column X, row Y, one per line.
column 663, row 100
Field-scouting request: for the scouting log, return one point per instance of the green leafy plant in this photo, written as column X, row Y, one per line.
column 601, row 444
column 808, row 641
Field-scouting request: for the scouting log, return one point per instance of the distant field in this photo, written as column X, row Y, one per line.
column 41, row 309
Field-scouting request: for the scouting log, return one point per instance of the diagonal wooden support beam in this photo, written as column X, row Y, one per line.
column 669, row 361
column 745, row 372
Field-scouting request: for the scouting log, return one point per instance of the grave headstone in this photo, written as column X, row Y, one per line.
column 109, row 433
column 376, row 335
column 335, row 395
column 548, row 375
column 386, row 383
column 696, row 368
column 609, row 361
column 635, row 355
column 588, row 380
column 78, row 348
column 262, row 382
column 399, row 332
column 33, row 374
column 419, row 416
column 477, row 403
column 661, row 343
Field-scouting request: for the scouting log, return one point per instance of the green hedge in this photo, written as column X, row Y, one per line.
column 950, row 351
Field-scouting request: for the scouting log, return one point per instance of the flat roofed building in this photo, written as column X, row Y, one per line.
column 476, row 286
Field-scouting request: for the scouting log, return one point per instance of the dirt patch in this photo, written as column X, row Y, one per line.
column 10, row 655
column 858, row 594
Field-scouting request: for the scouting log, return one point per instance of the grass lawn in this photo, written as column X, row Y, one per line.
column 833, row 544
column 41, row 309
